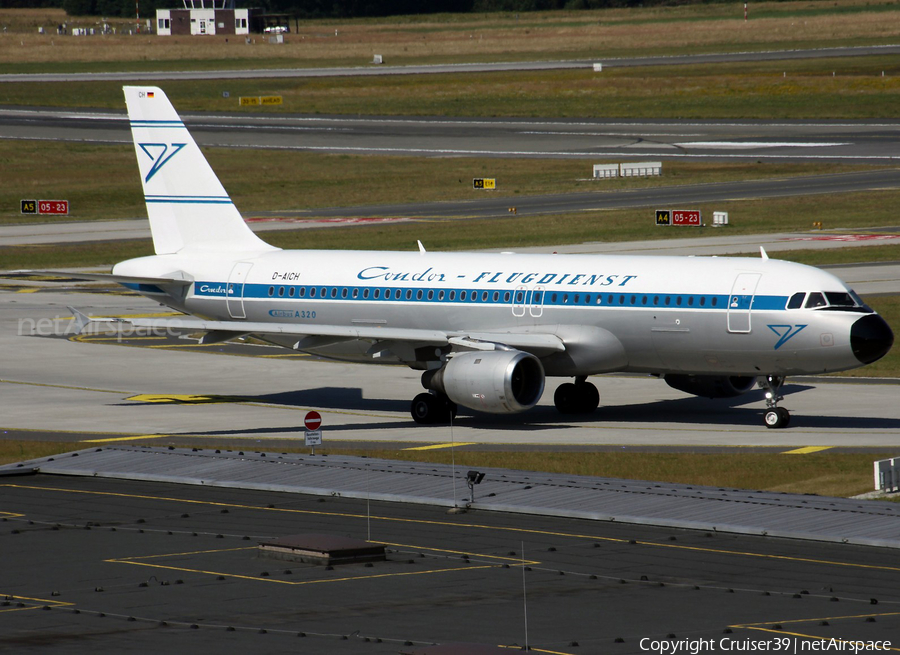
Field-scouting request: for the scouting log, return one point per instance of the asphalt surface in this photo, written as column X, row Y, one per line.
column 102, row 565
column 852, row 142
column 436, row 69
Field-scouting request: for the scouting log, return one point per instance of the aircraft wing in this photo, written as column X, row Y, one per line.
column 223, row 330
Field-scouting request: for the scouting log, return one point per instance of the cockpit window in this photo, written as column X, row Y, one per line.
column 814, row 300
column 829, row 301
column 796, row 301
column 836, row 299
column 859, row 301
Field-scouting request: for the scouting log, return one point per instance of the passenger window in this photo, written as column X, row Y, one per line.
column 796, row 301
column 815, row 300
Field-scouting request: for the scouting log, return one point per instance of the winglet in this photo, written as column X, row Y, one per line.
column 421, row 247
column 81, row 320
column 763, row 253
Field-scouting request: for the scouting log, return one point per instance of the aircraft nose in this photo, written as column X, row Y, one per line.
column 870, row 338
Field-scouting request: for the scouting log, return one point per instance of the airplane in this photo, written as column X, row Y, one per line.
column 485, row 329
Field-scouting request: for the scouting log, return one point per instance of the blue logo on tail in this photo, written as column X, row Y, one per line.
column 785, row 333
column 160, row 155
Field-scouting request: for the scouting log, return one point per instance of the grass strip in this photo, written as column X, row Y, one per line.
column 839, row 88
column 102, row 181
column 632, row 31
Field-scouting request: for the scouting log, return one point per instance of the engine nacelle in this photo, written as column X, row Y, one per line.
column 496, row 381
column 712, row 386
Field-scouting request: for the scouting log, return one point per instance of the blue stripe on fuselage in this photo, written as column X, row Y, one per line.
column 463, row 296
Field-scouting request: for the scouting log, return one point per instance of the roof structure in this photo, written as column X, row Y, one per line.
column 818, row 518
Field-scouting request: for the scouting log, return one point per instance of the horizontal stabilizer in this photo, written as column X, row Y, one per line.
column 117, row 279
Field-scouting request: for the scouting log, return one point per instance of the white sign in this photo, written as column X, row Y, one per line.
column 313, row 437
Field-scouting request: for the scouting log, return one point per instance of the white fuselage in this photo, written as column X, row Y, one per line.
column 701, row 315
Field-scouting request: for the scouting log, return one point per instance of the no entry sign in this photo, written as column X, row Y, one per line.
column 312, row 421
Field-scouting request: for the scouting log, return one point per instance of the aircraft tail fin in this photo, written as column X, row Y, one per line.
column 187, row 205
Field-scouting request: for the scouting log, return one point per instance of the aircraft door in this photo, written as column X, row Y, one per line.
column 537, row 302
column 740, row 302
column 234, row 290
column 520, row 296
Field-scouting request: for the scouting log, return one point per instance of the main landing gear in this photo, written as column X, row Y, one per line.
column 432, row 408
column 775, row 416
column 581, row 397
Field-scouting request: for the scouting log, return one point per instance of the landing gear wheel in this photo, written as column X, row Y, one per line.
column 590, row 397
column 566, row 398
column 429, row 409
column 777, row 417
column 577, row 398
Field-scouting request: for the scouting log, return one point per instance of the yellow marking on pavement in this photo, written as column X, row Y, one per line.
column 441, row 445
column 183, row 399
column 517, row 560
column 183, row 345
column 806, row 450
column 471, row 526
column 27, row 290
column 95, row 337
column 12, row 515
column 132, row 438
column 39, row 603
column 535, row 650
column 186, row 553
column 59, row 386
column 766, row 627
column 134, row 561
column 763, row 624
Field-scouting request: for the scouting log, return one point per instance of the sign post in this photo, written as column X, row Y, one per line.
column 312, row 422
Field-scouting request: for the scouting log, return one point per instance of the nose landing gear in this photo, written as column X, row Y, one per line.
column 775, row 417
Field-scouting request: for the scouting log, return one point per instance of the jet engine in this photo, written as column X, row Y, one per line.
column 496, row 381
column 712, row 386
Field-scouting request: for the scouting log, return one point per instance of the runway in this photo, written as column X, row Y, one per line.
column 850, row 142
